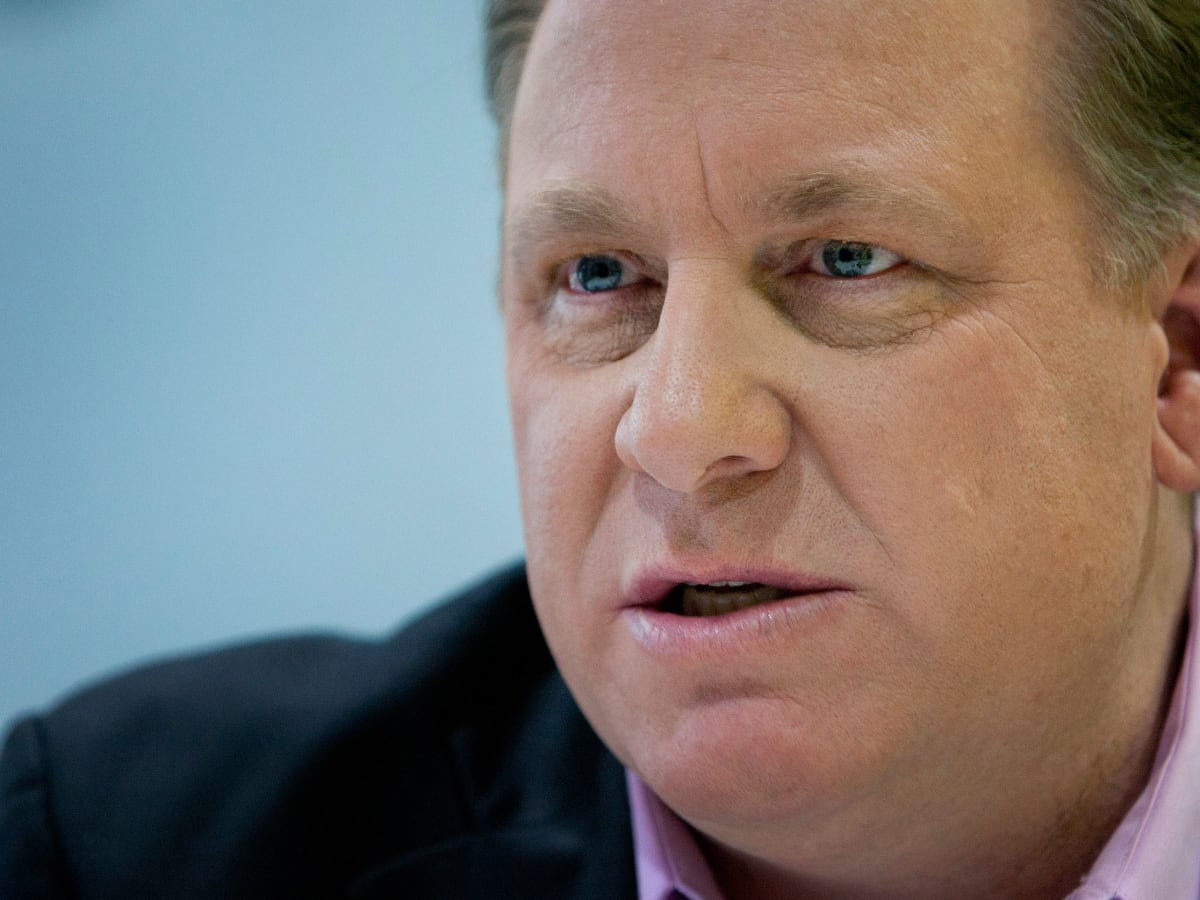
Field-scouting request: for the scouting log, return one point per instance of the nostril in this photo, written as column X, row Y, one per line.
column 678, row 452
column 700, row 411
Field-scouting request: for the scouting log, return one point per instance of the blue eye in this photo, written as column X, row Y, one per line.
column 596, row 274
column 850, row 259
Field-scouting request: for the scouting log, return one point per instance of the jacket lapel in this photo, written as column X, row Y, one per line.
column 548, row 809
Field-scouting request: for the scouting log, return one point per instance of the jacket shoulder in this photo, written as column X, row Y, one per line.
column 285, row 767
column 272, row 698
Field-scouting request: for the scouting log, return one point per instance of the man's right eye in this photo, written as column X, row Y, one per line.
column 597, row 274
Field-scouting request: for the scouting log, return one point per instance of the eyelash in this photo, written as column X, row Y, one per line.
column 848, row 253
column 628, row 265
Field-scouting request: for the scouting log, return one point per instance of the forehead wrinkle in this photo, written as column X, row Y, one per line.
column 568, row 209
column 706, row 181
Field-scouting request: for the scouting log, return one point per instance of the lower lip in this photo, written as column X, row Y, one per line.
column 668, row 634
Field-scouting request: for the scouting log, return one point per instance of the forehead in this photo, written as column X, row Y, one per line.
column 718, row 38
column 745, row 92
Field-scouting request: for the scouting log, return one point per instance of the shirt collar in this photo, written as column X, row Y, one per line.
column 668, row 860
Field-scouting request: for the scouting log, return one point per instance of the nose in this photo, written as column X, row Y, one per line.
column 707, row 406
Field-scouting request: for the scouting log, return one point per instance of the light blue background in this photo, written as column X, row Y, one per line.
column 250, row 360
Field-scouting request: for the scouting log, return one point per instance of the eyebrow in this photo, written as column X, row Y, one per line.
column 802, row 197
column 569, row 209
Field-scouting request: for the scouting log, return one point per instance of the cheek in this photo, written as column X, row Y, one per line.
column 568, row 475
column 1006, row 481
column 564, row 422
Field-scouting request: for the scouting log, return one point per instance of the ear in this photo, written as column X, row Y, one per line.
column 1176, row 446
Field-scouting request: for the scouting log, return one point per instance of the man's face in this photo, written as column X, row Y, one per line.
column 798, row 294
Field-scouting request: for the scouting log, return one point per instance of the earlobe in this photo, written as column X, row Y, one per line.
column 1176, row 447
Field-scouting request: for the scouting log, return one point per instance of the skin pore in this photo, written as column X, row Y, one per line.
column 798, row 293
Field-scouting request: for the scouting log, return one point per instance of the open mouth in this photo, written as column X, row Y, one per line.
column 719, row 597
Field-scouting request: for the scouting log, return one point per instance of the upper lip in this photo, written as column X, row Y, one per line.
column 650, row 585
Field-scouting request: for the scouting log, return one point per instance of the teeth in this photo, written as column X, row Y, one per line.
column 722, row 597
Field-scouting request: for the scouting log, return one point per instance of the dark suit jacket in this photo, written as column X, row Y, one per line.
column 448, row 762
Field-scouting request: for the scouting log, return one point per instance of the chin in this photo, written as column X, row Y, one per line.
column 755, row 762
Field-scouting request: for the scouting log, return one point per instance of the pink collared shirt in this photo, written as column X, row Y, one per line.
column 1153, row 855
